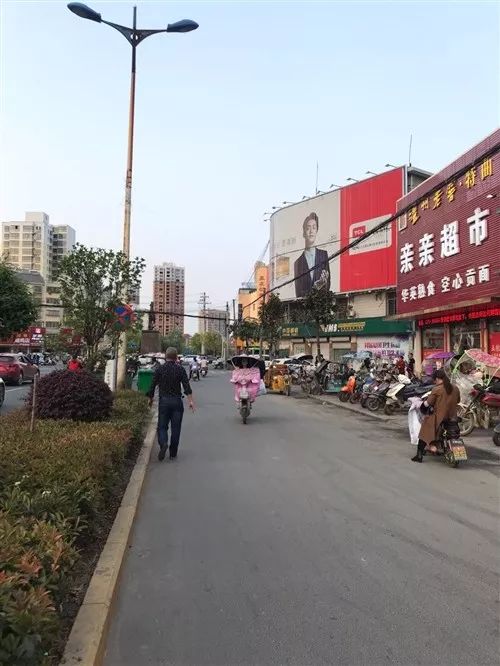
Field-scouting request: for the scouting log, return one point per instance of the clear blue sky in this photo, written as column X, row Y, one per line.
column 232, row 118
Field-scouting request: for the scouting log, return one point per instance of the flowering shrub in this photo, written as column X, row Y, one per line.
column 76, row 395
column 55, row 484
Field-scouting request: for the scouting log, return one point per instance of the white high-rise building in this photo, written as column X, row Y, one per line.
column 215, row 321
column 168, row 298
column 36, row 246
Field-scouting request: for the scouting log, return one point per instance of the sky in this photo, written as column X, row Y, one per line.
column 230, row 119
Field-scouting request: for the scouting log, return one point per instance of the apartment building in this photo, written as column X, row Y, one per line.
column 214, row 321
column 36, row 247
column 168, row 297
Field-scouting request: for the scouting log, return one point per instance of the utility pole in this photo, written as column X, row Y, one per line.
column 226, row 351
column 203, row 302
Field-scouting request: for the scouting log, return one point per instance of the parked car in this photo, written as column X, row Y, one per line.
column 2, row 391
column 17, row 368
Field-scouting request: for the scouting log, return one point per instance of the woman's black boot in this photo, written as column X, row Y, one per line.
column 420, row 452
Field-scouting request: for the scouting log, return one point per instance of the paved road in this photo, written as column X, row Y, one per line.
column 307, row 537
column 15, row 395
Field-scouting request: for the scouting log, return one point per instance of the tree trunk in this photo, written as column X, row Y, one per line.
column 318, row 344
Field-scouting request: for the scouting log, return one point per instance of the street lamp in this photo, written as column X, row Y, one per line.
column 354, row 180
column 134, row 36
column 288, row 203
column 335, row 185
column 392, row 166
column 371, row 173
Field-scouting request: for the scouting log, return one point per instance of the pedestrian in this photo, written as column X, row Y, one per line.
column 170, row 378
column 440, row 405
column 401, row 365
column 75, row 363
column 410, row 366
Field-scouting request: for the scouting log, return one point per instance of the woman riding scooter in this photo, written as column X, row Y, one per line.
column 439, row 406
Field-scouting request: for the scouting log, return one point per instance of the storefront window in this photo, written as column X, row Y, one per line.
column 465, row 335
column 494, row 336
column 433, row 339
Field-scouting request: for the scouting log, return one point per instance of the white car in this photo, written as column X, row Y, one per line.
column 2, row 391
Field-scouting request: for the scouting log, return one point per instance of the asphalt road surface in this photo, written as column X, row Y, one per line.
column 307, row 537
column 15, row 395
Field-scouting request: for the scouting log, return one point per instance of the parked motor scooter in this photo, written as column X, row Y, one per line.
column 399, row 393
column 348, row 389
column 480, row 413
column 378, row 396
column 496, row 435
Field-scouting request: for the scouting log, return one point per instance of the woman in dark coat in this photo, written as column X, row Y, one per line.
column 443, row 399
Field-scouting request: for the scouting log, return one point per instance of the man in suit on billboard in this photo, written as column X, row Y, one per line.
column 312, row 266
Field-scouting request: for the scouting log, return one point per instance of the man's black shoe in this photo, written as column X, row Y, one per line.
column 163, row 450
column 173, row 457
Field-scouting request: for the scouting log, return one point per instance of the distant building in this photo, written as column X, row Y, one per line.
column 134, row 296
column 34, row 246
column 168, row 298
column 215, row 321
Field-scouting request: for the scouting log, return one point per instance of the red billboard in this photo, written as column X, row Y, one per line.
column 364, row 205
column 449, row 239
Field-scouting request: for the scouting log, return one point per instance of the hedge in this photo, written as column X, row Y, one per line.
column 54, row 486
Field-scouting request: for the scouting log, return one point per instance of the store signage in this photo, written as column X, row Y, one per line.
column 369, row 326
column 448, row 241
column 495, row 343
column 459, row 316
column 32, row 337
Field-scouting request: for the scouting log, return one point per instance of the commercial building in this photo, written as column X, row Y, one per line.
column 449, row 255
column 168, row 298
column 251, row 294
column 214, row 321
column 34, row 246
column 305, row 235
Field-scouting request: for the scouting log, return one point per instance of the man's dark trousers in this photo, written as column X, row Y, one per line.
column 170, row 411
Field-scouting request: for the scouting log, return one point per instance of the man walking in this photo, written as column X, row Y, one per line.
column 170, row 378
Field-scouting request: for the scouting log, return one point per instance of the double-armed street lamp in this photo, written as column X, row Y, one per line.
column 134, row 36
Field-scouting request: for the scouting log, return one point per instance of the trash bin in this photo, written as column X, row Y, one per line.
column 144, row 379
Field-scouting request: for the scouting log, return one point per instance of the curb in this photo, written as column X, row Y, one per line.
column 338, row 405
column 86, row 642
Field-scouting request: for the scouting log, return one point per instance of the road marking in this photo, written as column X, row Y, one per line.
column 19, row 388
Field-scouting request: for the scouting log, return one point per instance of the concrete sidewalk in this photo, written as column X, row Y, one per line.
column 480, row 440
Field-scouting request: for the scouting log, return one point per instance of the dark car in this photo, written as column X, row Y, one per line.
column 17, row 368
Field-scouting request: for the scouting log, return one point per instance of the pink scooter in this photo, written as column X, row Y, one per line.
column 246, row 380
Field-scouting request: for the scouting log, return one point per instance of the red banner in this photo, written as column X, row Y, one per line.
column 363, row 206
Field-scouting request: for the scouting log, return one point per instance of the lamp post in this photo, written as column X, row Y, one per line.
column 134, row 36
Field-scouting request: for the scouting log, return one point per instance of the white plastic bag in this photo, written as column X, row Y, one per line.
column 415, row 418
column 262, row 388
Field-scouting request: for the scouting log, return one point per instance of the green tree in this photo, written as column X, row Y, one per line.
column 195, row 343
column 319, row 307
column 58, row 343
column 133, row 337
column 173, row 339
column 92, row 283
column 246, row 329
column 213, row 343
column 272, row 316
column 18, row 309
